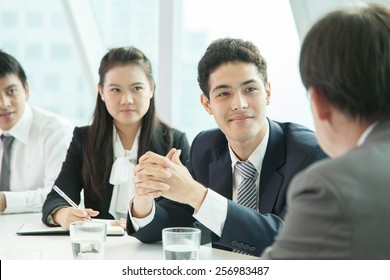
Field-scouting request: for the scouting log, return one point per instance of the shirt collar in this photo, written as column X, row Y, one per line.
column 367, row 132
column 257, row 156
column 119, row 151
column 22, row 128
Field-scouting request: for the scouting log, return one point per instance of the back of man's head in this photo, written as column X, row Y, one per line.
column 227, row 50
column 9, row 65
column 346, row 57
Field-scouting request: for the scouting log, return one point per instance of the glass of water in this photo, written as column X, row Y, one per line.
column 181, row 243
column 88, row 240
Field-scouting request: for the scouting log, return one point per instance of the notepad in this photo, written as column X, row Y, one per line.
column 42, row 229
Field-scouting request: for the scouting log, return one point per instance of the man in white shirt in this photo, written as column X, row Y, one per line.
column 38, row 147
column 235, row 90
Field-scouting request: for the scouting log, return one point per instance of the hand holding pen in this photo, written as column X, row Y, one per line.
column 66, row 215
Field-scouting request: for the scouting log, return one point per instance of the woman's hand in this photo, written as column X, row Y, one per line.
column 66, row 215
column 121, row 222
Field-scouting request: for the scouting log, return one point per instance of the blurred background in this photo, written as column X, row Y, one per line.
column 60, row 43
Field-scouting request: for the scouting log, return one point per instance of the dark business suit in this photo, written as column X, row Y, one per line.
column 291, row 147
column 70, row 179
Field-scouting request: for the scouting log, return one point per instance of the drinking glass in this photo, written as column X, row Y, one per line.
column 88, row 240
column 181, row 243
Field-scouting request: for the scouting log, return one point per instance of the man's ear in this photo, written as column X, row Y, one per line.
column 268, row 92
column 205, row 103
column 27, row 91
column 321, row 107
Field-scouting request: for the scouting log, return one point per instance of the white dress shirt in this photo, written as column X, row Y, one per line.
column 214, row 202
column 367, row 132
column 38, row 151
column 121, row 176
column 217, row 204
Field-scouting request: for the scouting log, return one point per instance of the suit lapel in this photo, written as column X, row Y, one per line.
column 221, row 173
column 271, row 179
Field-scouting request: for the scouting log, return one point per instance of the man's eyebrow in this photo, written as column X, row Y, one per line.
column 224, row 86
column 248, row 82
column 11, row 86
column 221, row 87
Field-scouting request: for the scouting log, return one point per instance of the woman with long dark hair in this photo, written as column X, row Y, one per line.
column 101, row 156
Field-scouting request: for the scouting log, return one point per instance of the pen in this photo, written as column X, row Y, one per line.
column 64, row 196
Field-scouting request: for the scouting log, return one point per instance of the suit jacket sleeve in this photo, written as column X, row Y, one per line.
column 168, row 214
column 314, row 222
column 180, row 141
column 248, row 230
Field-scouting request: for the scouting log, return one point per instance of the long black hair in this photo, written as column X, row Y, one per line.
column 98, row 143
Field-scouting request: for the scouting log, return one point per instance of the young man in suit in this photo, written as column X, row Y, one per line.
column 339, row 208
column 34, row 143
column 233, row 77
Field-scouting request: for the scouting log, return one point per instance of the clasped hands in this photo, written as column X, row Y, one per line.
column 156, row 175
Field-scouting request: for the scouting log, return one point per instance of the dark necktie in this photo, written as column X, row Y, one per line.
column 246, row 194
column 5, row 165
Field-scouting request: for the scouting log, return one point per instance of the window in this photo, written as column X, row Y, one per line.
column 48, row 38
column 9, row 19
column 270, row 26
column 128, row 23
column 34, row 19
column 46, row 50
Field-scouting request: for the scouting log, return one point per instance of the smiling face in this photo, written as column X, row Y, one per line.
column 13, row 96
column 238, row 100
column 126, row 93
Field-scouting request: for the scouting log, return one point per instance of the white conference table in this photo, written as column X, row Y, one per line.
column 58, row 247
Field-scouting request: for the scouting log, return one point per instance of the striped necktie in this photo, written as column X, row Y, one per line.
column 246, row 195
column 5, row 165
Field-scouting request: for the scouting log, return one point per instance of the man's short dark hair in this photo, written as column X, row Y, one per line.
column 226, row 50
column 9, row 65
column 346, row 56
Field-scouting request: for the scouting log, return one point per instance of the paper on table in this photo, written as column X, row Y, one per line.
column 42, row 229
